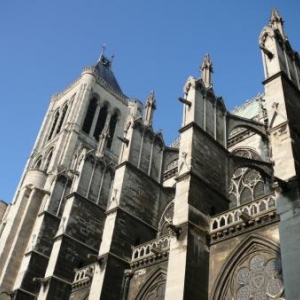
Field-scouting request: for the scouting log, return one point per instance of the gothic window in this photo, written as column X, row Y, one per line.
column 112, row 128
column 252, row 272
column 157, row 292
column 61, row 121
column 100, row 122
column 56, row 116
column 246, row 184
column 154, row 288
column 259, row 278
column 166, row 215
column 37, row 164
column 87, row 124
column 48, row 160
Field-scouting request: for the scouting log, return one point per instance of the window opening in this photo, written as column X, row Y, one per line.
column 61, row 121
column 112, row 128
column 100, row 122
column 87, row 124
column 48, row 159
column 53, row 125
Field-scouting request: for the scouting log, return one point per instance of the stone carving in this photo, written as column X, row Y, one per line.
column 246, row 184
column 157, row 292
column 261, row 280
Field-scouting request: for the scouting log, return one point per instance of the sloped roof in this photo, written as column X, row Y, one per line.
column 103, row 67
column 251, row 108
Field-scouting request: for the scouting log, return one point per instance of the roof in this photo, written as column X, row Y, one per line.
column 251, row 108
column 103, row 67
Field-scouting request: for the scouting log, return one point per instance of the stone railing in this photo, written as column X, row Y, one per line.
column 155, row 247
column 251, row 210
column 171, row 170
column 84, row 274
column 175, row 143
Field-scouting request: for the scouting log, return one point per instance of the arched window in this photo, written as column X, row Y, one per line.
column 48, row 160
column 53, row 125
column 87, row 124
column 37, row 164
column 61, row 121
column 112, row 128
column 100, row 122
column 246, row 184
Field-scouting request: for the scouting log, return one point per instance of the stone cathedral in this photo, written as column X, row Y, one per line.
column 106, row 210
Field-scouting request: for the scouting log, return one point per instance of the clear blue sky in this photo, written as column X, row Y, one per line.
column 157, row 45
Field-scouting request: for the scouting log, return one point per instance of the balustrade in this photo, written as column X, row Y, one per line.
column 251, row 209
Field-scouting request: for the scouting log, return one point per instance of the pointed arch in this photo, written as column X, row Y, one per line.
column 90, row 113
column 48, row 160
column 155, row 284
column 248, row 181
column 54, row 123
column 100, row 121
column 167, row 214
column 253, row 244
column 38, row 163
column 112, row 127
column 62, row 118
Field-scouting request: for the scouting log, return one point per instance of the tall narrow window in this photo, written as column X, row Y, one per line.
column 112, row 128
column 53, row 125
column 100, row 122
column 61, row 121
column 38, row 163
column 48, row 159
column 87, row 124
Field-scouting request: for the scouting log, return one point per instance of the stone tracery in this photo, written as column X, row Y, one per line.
column 258, row 279
column 246, row 184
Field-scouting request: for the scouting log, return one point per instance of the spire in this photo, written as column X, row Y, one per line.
column 207, row 70
column 276, row 21
column 150, row 106
column 104, row 68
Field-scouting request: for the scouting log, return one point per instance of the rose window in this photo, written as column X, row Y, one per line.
column 261, row 280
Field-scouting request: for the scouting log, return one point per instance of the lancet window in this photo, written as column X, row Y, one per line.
column 61, row 120
column 58, row 121
column 48, row 160
column 112, row 128
column 87, row 124
column 38, row 163
column 56, row 117
column 99, row 118
column 100, row 122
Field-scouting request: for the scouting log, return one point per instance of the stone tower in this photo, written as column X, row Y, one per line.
column 106, row 210
column 67, row 181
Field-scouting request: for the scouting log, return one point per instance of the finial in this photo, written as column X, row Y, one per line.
column 276, row 21
column 104, row 60
column 207, row 64
column 275, row 17
column 207, row 70
column 102, row 51
column 151, row 100
column 150, row 106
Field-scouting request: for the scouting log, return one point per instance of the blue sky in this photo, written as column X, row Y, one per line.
column 157, row 44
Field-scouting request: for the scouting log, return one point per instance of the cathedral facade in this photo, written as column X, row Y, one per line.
column 106, row 210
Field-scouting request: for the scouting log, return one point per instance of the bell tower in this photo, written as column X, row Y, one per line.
column 69, row 174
